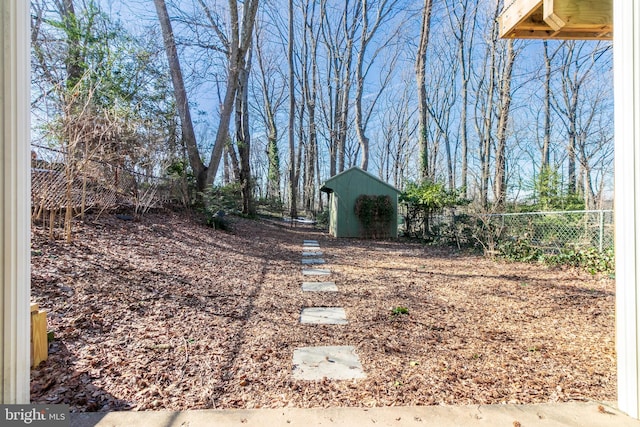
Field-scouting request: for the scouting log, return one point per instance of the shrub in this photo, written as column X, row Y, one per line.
column 322, row 219
column 375, row 214
column 425, row 200
column 590, row 259
column 219, row 201
column 519, row 250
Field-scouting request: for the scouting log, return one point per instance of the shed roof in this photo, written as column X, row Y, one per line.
column 329, row 183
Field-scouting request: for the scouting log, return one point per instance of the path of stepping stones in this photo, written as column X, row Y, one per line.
column 331, row 362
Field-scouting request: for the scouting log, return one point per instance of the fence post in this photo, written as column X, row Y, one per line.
column 601, row 233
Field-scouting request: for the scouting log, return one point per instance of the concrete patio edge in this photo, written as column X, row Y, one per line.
column 578, row 414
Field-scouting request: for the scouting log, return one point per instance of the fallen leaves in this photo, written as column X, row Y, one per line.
column 166, row 313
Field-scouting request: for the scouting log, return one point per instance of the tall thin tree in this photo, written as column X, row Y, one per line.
column 182, row 104
column 421, row 71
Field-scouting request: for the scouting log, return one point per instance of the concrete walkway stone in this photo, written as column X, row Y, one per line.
column 332, row 362
column 312, row 253
column 308, row 261
column 316, row 272
column 319, row 287
column 323, row 316
column 310, row 245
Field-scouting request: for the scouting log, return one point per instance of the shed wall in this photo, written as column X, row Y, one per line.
column 346, row 188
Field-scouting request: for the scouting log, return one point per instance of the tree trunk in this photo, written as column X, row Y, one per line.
column 500, row 192
column 310, row 93
column 74, row 62
column 180, row 93
column 240, row 45
column 293, row 175
column 233, row 158
column 487, row 139
column 464, row 29
column 343, row 124
column 360, row 128
column 571, row 154
column 243, row 138
column 420, row 67
column 546, row 141
column 273, row 155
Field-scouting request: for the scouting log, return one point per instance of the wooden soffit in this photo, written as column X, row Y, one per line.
column 557, row 19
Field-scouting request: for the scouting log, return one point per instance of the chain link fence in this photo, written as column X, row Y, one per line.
column 550, row 232
column 553, row 231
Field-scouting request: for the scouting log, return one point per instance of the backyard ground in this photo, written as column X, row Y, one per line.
column 165, row 313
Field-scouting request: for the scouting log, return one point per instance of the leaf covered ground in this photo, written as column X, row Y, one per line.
column 165, row 313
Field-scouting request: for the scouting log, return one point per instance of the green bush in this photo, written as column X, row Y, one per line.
column 322, row 219
column 272, row 205
column 424, row 200
column 519, row 250
column 549, row 193
column 590, row 259
column 222, row 199
column 375, row 214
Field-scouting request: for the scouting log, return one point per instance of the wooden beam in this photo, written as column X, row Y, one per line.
column 516, row 13
column 557, row 19
column 39, row 340
column 530, row 34
column 580, row 15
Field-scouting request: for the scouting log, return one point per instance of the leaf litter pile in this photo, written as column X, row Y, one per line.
column 165, row 313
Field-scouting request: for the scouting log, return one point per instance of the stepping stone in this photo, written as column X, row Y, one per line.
column 332, row 362
column 310, row 241
column 308, row 261
column 323, row 316
column 319, row 287
column 316, row 253
column 311, row 244
column 315, row 272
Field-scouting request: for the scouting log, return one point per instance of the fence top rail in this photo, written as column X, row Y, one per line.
column 551, row 213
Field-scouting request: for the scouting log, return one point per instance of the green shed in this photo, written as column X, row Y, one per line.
column 344, row 190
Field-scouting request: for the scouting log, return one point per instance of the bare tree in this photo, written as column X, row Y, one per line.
column 484, row 120
column 420, row 67
column 462, row 18
column 546, row 143
column 383, row 10
column 500, row 181
column 340, row 43
column 441, row 99
column 578, row 59
column 180, row 92
column 397, row 131
column 293, row 170
column 239, row 46
column 236, row 47
column 309, row 84
column 272, row 94
column 243, row 137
